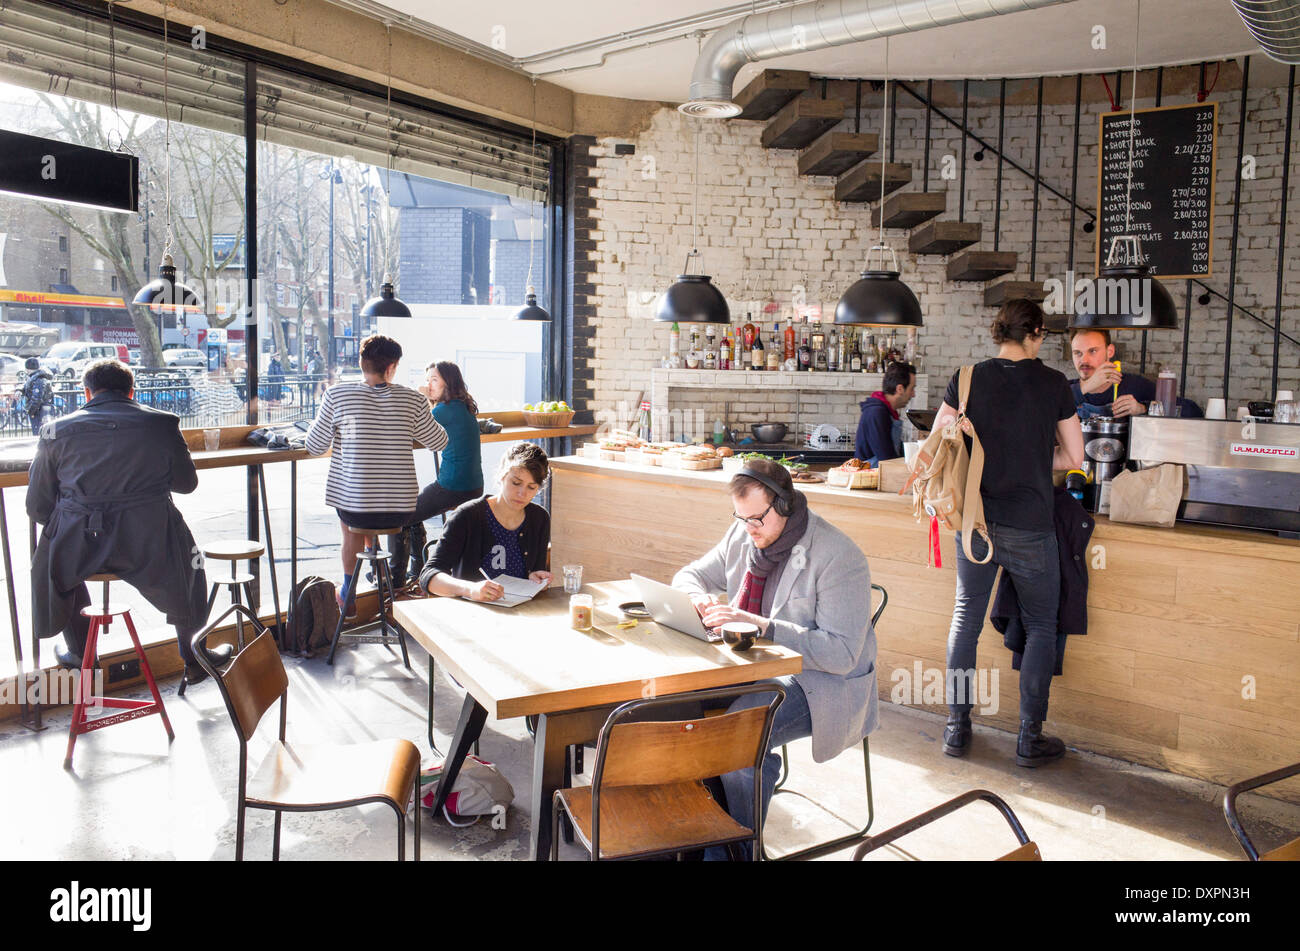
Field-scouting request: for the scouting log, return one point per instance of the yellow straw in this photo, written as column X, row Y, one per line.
column 1116, row 396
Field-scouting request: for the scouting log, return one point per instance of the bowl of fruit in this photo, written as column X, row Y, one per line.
column 548, row 415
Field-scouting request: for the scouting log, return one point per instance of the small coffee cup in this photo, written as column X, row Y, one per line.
column 739, row 635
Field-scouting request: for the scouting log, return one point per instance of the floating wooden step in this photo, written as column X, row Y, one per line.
column 981, row 265
column 909, row 209
column 837, row 152
column 862, row 182
column 944, row 237
column 995, row 295
column 800, row 122
column 769, row 91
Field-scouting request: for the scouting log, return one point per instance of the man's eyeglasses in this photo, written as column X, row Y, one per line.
column 755, row 520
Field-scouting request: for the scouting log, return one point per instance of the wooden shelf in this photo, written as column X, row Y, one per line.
column 837, row 152
column 909, row 209
column 862, row 183
column 944, row 237
column 769, row 91
column 800, row 122
column 981, row 265
column 995, row 295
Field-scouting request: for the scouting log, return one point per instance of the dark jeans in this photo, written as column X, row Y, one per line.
column 434, row 499
column 1030, row 559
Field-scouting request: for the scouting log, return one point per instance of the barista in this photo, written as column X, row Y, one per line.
column 1094, row 390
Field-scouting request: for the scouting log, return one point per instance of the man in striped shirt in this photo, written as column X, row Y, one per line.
column 370, row 426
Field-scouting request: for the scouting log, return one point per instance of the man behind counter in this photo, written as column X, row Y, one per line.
column 1094, row 391
column 880, row 430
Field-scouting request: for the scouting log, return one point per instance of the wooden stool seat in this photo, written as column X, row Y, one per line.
column 375, row 531
column 242, row 577
column 105, row 611
column 234, row 550
column 107, row 576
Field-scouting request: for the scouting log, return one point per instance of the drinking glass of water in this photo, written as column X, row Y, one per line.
column 572, row 579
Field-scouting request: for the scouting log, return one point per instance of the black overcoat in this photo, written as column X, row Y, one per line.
column 101, row 485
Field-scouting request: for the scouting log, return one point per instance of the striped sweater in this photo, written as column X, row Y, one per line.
column 370, row 430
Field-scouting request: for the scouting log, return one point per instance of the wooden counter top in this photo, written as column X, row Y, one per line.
column 1191, row 662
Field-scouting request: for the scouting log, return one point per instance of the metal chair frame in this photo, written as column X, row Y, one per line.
column 389, row 632
column 833, row 845
column 242, row 799
column 938, row 812
column 640, row 706
column 1246, row 785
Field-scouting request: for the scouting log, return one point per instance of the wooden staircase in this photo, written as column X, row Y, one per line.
column 798, row 120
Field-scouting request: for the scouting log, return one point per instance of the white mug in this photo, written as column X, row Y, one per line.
column 1216, row 408
column 1284, row 395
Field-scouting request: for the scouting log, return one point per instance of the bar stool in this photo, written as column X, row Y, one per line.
column 233, row 551
column 377, row 558
column 101, row 618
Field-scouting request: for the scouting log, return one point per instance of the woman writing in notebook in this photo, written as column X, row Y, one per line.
column 501, row 534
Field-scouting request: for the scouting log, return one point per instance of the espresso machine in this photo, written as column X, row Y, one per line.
column 1242, row 473
column 1105, row 454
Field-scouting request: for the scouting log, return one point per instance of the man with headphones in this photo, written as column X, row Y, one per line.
column 806, row 585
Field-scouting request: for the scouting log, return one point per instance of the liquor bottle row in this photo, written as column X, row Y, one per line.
column 807, row 347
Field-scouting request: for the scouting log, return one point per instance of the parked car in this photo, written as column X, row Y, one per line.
column 181, row 357
column 134, row 357
column 70, row 358
column 12, row 369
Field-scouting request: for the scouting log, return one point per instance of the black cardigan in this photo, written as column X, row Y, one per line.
column 459, row 552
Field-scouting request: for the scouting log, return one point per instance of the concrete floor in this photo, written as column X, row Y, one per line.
column 131, row 796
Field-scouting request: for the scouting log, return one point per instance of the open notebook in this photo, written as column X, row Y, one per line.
column 518, row 590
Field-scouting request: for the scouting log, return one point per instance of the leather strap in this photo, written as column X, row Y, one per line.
column 973, row 502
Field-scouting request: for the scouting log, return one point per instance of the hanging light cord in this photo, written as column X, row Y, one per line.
column 532, row 191
column 167, row 139
column 392, row 150
column 884, row 151
column 1132, row 125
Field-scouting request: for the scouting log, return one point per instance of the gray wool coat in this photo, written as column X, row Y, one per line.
column 101, row 485
column 822, row 609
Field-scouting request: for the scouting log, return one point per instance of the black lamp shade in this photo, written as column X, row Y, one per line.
column 879, row 299
column 693, row 300
column 1125, row 298
column 164, row 294
column 386, row 304
column 530, row 310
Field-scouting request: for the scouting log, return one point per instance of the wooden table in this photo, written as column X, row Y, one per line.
column 527, row 661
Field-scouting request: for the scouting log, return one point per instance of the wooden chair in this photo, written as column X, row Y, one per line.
column 289, row 780
column 647, row 795
column 1027, row 851
column 1290, row 852
column 831, row 845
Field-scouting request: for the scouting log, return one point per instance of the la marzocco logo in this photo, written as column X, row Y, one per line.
column 1252, row 449
column 77, row 904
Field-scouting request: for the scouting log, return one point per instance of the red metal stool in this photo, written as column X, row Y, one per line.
column 101, row 617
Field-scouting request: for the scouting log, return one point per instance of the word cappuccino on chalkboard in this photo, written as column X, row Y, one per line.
column 1165, row 196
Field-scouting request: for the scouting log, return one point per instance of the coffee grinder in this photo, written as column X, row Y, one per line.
column 1105, row 454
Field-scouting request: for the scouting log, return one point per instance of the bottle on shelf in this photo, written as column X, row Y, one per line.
column 773, row 352
column 693, row 354
column 724, row 351
column 833, row 350
column 818, row 348
column 748, row 330
column 757, row 358
column 855, row 356
column 790, row 346
column 643, row 421
column 675, row 347
column 709, row 358
column 805, row 348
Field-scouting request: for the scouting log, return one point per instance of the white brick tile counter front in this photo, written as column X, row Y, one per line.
column 685, row 403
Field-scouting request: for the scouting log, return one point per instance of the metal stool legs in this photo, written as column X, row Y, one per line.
column 100, row 620
column 389, row 631
column 234, row 583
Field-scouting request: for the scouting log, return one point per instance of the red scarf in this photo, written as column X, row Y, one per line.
column 750, row 596
column 880, row 395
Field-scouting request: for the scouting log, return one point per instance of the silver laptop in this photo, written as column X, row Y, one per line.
column 673, row 608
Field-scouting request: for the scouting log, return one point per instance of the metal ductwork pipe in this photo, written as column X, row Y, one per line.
column 1275, row 25
column 815, row 26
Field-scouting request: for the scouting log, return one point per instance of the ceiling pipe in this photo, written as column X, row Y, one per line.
column 1275, row 25
column 818, row 25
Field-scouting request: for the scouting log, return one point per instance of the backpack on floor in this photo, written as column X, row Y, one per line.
column 313, row 615
column 945, row 481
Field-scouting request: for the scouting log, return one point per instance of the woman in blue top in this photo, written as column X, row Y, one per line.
column 460, row 473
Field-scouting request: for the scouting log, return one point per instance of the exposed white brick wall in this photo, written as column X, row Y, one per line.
column 764, row 230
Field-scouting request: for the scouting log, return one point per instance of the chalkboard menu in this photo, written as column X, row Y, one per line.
column 1173, row 186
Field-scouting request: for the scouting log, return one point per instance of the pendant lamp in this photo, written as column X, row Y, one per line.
column 531, row 310
column 387, row 304
column 1125, row 295
column 164, row 293
column 693, row 298
column 879, row 298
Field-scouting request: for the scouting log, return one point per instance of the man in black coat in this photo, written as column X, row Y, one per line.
column 101, row 486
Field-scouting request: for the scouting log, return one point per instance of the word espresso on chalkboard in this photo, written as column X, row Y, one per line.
column 1172, row 196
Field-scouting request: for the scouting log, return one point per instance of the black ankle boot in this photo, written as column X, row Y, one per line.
column 1033, row 748
column 957, row 734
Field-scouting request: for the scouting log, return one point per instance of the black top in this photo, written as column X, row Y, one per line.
column 468, row 537
column 1015, row 406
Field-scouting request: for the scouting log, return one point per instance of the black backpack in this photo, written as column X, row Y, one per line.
column 313, row 615
column 39, row 395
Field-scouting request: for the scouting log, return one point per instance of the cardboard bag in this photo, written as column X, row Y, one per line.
column 1148, row 497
